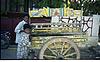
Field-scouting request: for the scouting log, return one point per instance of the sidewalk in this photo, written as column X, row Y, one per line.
column 10, row 53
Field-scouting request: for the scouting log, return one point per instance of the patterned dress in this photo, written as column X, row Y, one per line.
column 23, row 46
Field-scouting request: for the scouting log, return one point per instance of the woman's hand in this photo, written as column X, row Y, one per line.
column 27, row 31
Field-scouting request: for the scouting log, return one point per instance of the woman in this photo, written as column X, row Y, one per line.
column 24, row 45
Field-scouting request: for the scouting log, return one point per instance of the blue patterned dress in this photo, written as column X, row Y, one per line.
column 23, row 46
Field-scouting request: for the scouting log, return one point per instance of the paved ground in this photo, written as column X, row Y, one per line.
column 10, row 53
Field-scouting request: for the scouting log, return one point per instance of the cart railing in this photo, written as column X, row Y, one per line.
column 56, row 27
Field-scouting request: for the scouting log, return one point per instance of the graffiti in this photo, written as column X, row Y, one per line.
column 85, row 23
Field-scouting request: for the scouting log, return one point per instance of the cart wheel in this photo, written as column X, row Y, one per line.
column 59, row 48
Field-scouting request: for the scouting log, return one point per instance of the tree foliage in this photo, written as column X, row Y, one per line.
column 89, row 7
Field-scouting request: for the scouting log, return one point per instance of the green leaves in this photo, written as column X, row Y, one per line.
column 89, row 7
column 49, row 3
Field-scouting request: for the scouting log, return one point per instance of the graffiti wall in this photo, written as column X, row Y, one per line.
column 47, row 12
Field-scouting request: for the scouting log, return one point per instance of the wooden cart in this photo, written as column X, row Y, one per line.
column 58, row 40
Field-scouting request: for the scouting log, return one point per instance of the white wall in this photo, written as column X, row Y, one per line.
column 93, row 40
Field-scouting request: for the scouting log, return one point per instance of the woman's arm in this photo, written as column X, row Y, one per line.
column 18, row 28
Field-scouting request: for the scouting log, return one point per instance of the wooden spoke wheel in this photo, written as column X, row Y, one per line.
column 59, row 48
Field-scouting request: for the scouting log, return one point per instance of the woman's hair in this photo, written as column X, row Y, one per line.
column 25, row 15
column 26, row 26
column 22, row 16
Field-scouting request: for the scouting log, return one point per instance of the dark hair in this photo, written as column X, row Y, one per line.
column 26, row 26
column 25, row 15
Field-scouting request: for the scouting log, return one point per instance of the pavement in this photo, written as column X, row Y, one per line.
column 86, row 54
column 9, row 53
